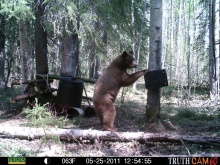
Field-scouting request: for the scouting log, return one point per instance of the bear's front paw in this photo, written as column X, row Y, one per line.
column 145, row 71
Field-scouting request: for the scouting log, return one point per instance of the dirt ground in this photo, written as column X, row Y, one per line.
column 192, row 116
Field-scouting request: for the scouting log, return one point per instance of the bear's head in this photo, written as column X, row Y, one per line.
column 128, row 60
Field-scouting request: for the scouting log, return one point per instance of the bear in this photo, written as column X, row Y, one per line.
column 108, row 85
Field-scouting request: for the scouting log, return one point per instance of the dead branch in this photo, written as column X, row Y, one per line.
column 71, row 134
column 87, row 98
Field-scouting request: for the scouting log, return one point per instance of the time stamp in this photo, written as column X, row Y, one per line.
column 109, row 160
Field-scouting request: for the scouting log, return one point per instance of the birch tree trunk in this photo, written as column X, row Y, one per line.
column 171, row 43
column 134, row 85
column 217, row 41
column 153, row 95
column 177, row 41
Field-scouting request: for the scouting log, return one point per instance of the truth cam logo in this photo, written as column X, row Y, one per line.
column 193, row 161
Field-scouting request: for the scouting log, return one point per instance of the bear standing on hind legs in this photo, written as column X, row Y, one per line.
column 108, row 85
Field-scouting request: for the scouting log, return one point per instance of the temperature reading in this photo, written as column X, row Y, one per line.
column 68, row 160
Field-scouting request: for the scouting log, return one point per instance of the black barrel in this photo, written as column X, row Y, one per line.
column 70, row 91
column 156, row 79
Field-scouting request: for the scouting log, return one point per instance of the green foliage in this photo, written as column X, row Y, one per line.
column 6, row 95
column 199, row 149
column 186, row 113
column 168, row 91
column 91, row 20
column 19, row 9
column 113, row 19
column 41, row 115
column 13, row 151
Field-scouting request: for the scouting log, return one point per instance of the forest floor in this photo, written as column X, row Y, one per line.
column 190, row 112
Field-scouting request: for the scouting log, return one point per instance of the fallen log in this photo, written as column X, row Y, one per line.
column 57, row 77
column 50, row 77
column 30, row 95
column 23, row 97
column 20, row 82
column 78, row 134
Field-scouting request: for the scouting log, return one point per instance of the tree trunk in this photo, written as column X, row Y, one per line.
column 40, row 40
column 92, row 59
column 2, row 48
column 40, row 43
column 153, row 95
column 171, row 43
column 97, row 67
column 134, row 85
column 177, row 41
column 94, row 64
column 104, row 50
column 217, row 42
column 69, row 50
column 26, row 49
column 188, row 39
column 213, row 75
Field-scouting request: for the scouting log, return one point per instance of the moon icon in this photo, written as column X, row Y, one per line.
column 47, row 161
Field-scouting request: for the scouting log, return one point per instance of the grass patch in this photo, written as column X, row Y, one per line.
column 199, row 149
column 13, row 151
column 196, row 119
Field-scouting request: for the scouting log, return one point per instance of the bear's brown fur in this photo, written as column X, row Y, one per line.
column 108, row 85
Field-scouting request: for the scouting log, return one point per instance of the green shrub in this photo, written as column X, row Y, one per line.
column 41, row 115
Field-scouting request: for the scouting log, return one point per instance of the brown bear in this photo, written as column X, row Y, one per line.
column 108, row 85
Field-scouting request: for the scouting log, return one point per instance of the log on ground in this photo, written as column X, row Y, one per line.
column 90, row 134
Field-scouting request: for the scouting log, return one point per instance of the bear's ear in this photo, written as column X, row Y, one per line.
column 124, row 54
column 131, row 52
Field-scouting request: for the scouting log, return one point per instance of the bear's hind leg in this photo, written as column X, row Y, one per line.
column 108, row 118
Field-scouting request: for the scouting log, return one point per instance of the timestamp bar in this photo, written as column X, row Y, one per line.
column 111, row 160
column 89, row 160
